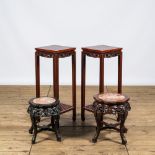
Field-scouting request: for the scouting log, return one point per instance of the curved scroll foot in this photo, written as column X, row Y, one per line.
column 124, row 141
column 94, row 140
column 33, row 140
column 125, row 130
column 58, row 138
column 58, row 135
column 31, row 130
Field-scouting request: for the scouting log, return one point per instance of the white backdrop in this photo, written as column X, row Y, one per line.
column 26, row 24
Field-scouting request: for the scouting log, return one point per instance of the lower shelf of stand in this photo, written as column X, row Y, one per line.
column 89, row 108
column 65, row 108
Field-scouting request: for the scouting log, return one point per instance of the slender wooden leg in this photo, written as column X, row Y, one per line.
column 124, row 128
column 124, row 141
column 56, row 126
column 56, row 76
column 118, row 118
column 52, row 122
column 37, row 70
column 98, row 117
column 101, row 82
column 120, row 73
column 83, row 77
column 35, row 130
column 31, row 128
column 74, row 85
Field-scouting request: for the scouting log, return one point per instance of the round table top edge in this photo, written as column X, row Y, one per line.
column 111, row 102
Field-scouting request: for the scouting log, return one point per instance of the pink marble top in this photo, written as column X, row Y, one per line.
column 111, row 97
column 43, row 100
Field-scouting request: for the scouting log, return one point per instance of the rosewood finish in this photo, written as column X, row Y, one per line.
column 101, row 52
column 44, row 107
column 108, row 103
column 56, row 52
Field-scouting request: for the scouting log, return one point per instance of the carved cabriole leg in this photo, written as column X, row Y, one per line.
column 125, row 117
column 52, row 122
column 98, row 117
column 58, row 118
column 35, row 129
column 36, row 113
column 56, row 127
column 74, row 85
column 122, row 119
column 118, row 118
column 83, row 77
column 31, row 128
column 103, row 109
column 124, row 128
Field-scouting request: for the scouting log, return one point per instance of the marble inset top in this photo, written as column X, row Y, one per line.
column 111, row 97
column 44, row 100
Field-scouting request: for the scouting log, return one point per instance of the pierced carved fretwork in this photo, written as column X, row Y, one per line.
column 37, row 112
column 105, row 55
column 51, row 55
column 121, row 110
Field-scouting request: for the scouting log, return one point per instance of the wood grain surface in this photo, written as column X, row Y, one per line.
column 76, row 137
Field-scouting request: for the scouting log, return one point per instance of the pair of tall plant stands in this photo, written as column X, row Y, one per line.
column 104, row 103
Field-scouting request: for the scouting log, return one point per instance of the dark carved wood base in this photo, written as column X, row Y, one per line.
column 120, row 110
column 36, row 113
column 53, row 126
